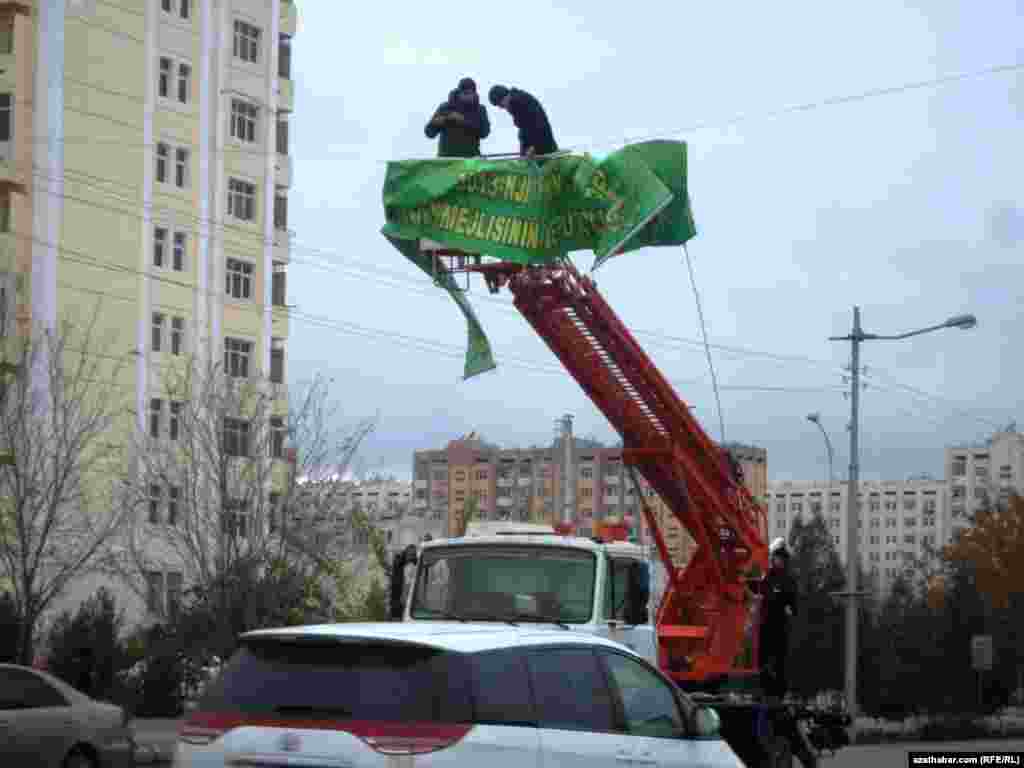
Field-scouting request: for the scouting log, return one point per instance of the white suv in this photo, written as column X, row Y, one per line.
column 452, row 694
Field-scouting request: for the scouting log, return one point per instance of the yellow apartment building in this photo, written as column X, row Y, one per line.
column 144, row 163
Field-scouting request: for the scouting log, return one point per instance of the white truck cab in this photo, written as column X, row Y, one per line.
column 528, row 573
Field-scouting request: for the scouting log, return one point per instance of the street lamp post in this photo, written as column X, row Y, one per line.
column 815, row 418
column 856, row 336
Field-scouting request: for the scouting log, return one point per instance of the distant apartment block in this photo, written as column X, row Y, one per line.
column 571, row 478
column 984, row 474
column 897, row 520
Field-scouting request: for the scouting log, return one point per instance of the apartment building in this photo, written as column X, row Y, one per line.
column 384, row 501
column 572, row 478
column 144, row 164
column 897, row 520
column 983, row 474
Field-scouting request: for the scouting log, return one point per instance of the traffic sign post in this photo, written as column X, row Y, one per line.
column 981, row 659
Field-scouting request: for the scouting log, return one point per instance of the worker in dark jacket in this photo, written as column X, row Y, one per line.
column 778, row 606
column 535, row 135
column 462, row 122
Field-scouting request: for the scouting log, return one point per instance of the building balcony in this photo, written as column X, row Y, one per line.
column 420, row 504
column 283, row 171
column 289, row 18
column 505, row 482
column 525, row 482
column 505, row 501
column 285, row 94
column 419, row 484
column 283, row 245
column 611, row 479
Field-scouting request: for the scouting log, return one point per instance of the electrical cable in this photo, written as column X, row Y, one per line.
column 781, row 358
column 707, row 349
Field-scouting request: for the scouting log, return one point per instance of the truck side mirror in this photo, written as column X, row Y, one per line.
column 638, row 592
column 407, row 557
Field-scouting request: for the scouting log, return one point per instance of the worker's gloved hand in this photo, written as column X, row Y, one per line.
column 456, row 117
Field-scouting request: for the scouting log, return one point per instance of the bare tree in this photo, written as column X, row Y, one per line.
column 60, row 402
column 222, row 465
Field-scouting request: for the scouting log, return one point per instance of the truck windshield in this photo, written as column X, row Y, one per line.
column 525, row 583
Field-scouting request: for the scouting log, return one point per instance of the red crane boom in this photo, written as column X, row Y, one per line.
column 705, row 617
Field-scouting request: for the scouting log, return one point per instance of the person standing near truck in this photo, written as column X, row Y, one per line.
column 779, row 597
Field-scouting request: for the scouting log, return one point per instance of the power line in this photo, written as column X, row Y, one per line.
column 738, row 350
column 707, row 349
column 813, row 105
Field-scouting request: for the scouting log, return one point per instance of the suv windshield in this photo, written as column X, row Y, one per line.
column 525, row 583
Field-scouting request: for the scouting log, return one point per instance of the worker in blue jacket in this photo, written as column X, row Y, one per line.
column 535, row 134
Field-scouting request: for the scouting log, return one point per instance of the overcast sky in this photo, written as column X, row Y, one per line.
column 909, row 204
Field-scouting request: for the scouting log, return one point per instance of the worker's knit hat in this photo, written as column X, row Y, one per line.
column 497, row 94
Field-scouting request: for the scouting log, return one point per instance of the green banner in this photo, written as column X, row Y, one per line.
column 528, row 213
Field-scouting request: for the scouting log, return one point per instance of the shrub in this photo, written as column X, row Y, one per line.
column 10, row 630
column 85, row 648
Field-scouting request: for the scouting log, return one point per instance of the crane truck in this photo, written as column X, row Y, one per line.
column 701, row 633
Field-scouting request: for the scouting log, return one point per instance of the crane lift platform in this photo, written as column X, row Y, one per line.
column 514, row 227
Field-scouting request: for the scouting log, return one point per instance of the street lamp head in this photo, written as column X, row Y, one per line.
column 964, row 322
column 814, row 417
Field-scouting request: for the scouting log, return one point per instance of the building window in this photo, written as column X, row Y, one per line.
column 239, row 279
column 178, row 258
column 277, row 433
column 959, row 466
column 155, row 592
column 155, row 498
column 236, row 357
column 277, row 361
column 159, row 245
column 7, row 35
column 282, row 136
column 177, row 75
column 284, row 57
column 173, row 497
column 243, row 120
column 166, row 70
column 781, row 524
column 157, row 340
column 174, row 585
column 909, row 502
column 247, row 42
column 586, row 473
column 156, row 407
column 182, row 7
column 6, row 103
column 278, row 284
column 181, row 158
column 177, row 335
column 7, row 303
column 280, row 210
column 242, row 199
column 481, row 474
column 236, row 437
column 163, row 159
column 184, row 82
column 174, row 425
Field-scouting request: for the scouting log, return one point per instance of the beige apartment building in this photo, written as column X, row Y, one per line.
column 145, row 164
